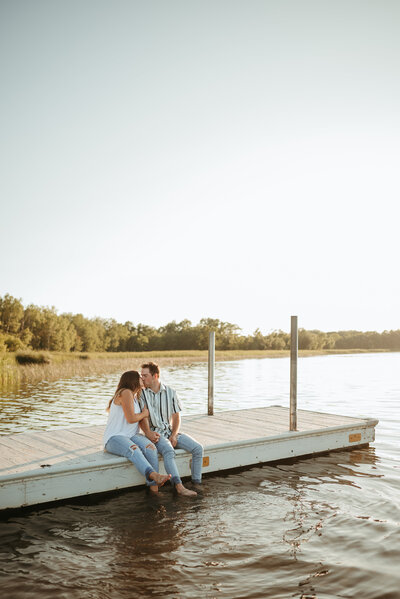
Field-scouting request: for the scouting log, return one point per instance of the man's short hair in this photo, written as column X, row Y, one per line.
column 152, row 367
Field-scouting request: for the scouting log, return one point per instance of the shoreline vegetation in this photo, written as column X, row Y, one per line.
column 51, row 366
column 37, row 343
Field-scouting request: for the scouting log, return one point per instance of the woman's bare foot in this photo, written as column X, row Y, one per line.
column 153, row 489
column 181, row 490
column 160, row 479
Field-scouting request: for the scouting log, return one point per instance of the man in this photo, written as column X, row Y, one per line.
column 162, row 427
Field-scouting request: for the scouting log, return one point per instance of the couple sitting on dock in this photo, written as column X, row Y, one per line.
column 141, row 400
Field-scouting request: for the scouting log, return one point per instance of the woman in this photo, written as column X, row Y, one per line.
column 121, row 435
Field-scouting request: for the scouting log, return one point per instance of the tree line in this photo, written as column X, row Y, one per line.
column 42, row 328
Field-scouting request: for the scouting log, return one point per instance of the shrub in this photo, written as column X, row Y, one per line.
column 13, row 343
column 31, row 358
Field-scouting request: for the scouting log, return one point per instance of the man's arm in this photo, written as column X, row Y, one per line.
column 175, row 423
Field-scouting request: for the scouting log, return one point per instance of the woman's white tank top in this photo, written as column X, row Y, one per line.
column 117, row 424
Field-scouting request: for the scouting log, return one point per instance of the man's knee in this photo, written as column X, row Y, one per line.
column 198, row 450
column 165, row 448
column 151, row 446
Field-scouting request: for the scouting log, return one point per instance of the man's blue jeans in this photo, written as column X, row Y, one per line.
column 188, row 444
column 139, row 450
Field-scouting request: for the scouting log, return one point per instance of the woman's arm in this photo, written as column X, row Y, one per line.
column 127, row 404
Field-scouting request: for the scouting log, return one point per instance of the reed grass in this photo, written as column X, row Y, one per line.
column 58, row 365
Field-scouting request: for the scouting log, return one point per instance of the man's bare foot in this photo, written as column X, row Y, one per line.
column 181, row 490
column 160, row 479
column 198, row 487
column 153, row 489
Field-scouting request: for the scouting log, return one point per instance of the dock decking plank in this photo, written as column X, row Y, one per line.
column 254, row 422
column 25, row 442
column 68, row 441
column 222, row 430
column 17, row 451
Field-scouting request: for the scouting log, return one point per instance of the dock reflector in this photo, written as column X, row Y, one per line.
column 355, row 437
column 206, row 461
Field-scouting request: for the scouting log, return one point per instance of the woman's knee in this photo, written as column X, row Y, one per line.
column 123, row 451
column 131, row 449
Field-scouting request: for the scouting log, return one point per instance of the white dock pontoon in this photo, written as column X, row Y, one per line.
column 39, row 467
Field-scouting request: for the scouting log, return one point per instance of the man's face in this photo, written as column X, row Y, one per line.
column 147, row 378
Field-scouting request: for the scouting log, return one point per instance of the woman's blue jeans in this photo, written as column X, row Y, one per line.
column 188, row 444
column 139, row 450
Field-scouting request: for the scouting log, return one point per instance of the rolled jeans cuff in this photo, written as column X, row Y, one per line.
column 147, row 474
column 176, row 480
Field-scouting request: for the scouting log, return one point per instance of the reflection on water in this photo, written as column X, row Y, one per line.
column 323, row 527
column 314, row 527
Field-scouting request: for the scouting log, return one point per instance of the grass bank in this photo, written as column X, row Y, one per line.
column 51, row 366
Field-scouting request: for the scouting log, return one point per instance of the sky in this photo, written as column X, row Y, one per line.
column 181, row 159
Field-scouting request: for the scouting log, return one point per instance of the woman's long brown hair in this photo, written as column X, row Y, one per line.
column 129, row 380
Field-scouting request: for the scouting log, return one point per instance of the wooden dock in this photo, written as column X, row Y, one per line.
column 38, row 467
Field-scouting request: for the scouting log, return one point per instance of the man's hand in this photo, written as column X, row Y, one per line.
column 153, row 436
column 173, row 440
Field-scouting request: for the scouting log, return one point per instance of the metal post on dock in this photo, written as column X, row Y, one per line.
column 211, row 368
column 293, row 373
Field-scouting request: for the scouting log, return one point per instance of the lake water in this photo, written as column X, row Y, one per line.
column 323, row 527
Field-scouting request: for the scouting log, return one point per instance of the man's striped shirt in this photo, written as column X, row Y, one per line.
column 161, row 406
